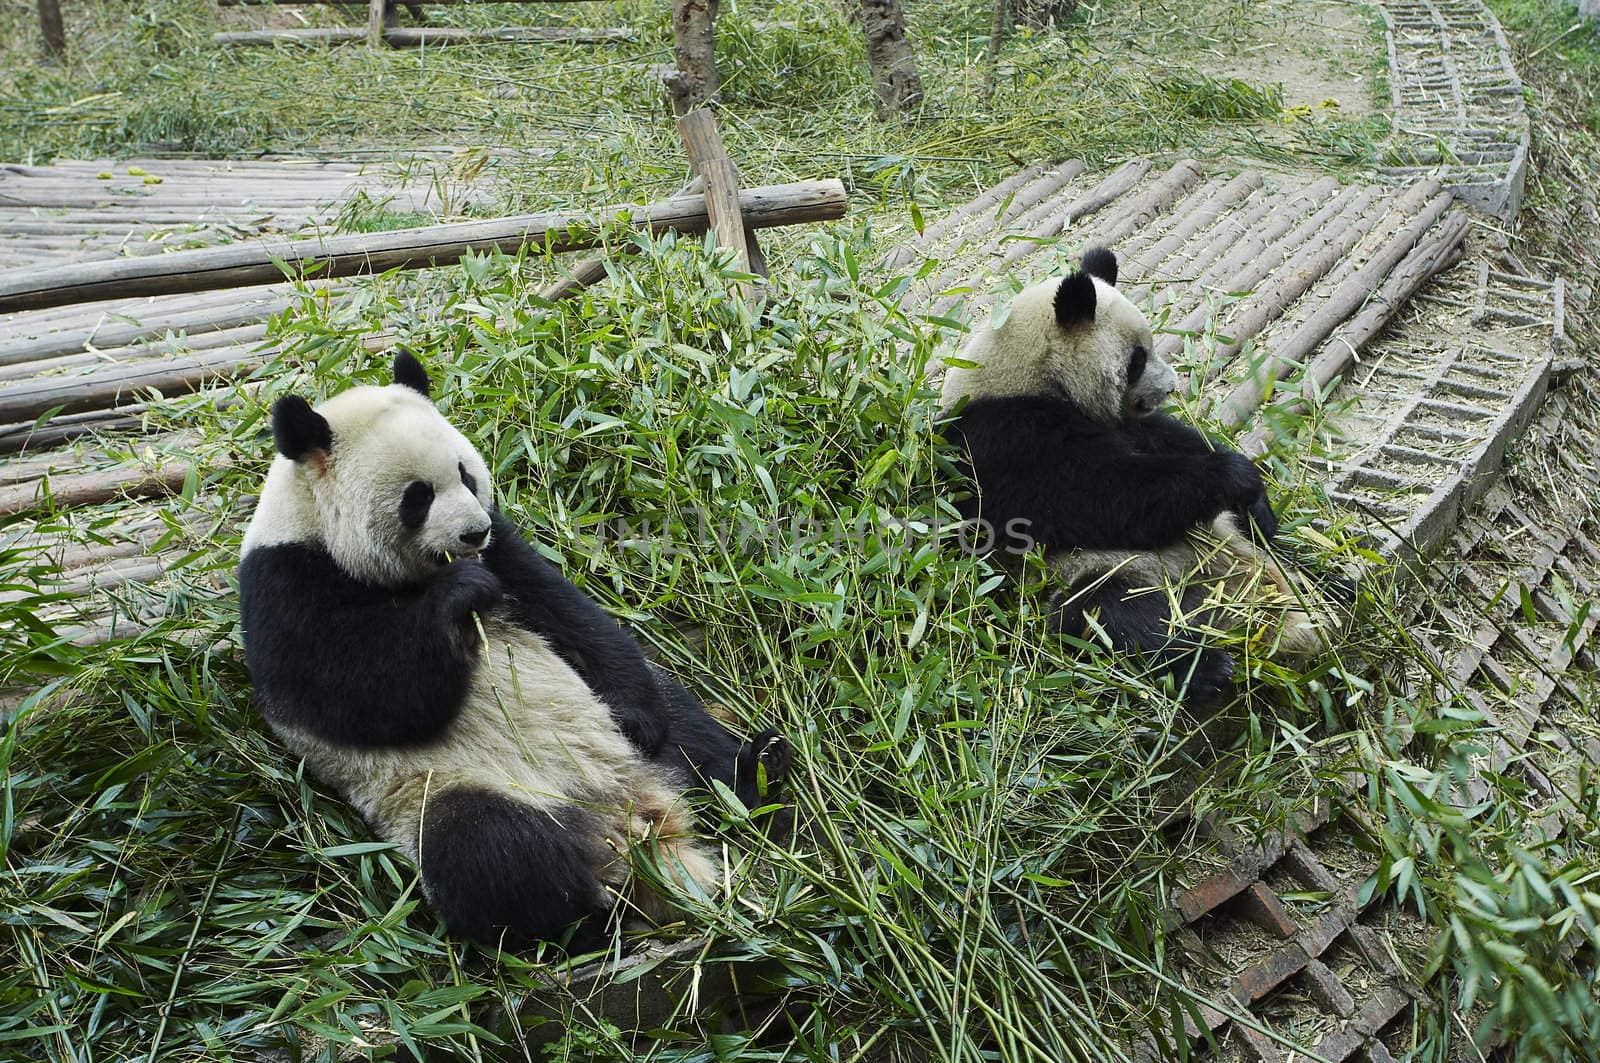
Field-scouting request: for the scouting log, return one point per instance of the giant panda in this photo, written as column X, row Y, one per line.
column 478, row 710
column 1159, row 536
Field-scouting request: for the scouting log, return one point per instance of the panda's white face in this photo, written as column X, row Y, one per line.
column 398, row 492
column 1077, row 338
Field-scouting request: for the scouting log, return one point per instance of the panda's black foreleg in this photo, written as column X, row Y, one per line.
column 1140, row 625
column 700, row 748
column 502, row 872
column 588, row 638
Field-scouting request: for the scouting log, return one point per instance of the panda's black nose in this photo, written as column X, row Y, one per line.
column 475, row 538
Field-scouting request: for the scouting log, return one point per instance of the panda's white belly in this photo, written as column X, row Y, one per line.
column 529, row 728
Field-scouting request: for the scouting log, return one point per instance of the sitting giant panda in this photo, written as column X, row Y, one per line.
column 476, row 708
column 1145, row 520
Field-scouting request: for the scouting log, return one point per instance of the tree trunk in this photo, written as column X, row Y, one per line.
column 894, row 67
column 1041, row 13
column 991, row 58
column 694, row 46
column 55, row 38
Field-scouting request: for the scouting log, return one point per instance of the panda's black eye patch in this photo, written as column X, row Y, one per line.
column 415, row 502
column 1136, row 363
column 467, row 478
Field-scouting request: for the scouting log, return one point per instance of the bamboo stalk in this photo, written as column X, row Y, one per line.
column 268, row 261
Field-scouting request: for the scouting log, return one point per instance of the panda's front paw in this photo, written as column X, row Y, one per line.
column 763, row 763
column 463, row 588
column 1210, row 680
column 1240, row 481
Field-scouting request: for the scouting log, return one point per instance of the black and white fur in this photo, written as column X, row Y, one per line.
column 1146, row 521
column 475, row 706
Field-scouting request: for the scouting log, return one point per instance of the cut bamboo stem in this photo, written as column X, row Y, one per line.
column 269, row 261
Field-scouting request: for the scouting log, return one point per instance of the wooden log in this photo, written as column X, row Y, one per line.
column 28, row 437
column 1143, row 257
column 896, row 85
column 92, row 488
column 32, row 399
column 1247, row 248
column 55, row 35
column 242, row 337
column 1243, row 400
column 1143, row 209
column 1431, row 256
column 694, row 51
column 429, row 36
column 267, row 261
column 1051, row 220
column 110, row 339
column 377, row 16
column 1274, row 291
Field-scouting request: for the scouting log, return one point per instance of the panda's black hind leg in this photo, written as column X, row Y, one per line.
column 1140, row 625
column 502, row 872
column 698, row 744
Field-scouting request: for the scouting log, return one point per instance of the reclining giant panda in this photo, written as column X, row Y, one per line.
column 1146, row 521
column 475, row 707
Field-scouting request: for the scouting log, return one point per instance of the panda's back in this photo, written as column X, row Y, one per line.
column 529, row 728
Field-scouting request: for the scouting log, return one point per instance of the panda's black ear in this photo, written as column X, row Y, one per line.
column 1075, row 300
column 409, row 371
column 298, row 430
column 1100, row 262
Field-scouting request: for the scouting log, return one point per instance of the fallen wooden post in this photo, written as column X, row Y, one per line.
column 429, row 36
column 269, row 261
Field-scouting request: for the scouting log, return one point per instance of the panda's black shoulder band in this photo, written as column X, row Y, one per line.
column 409, row 371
